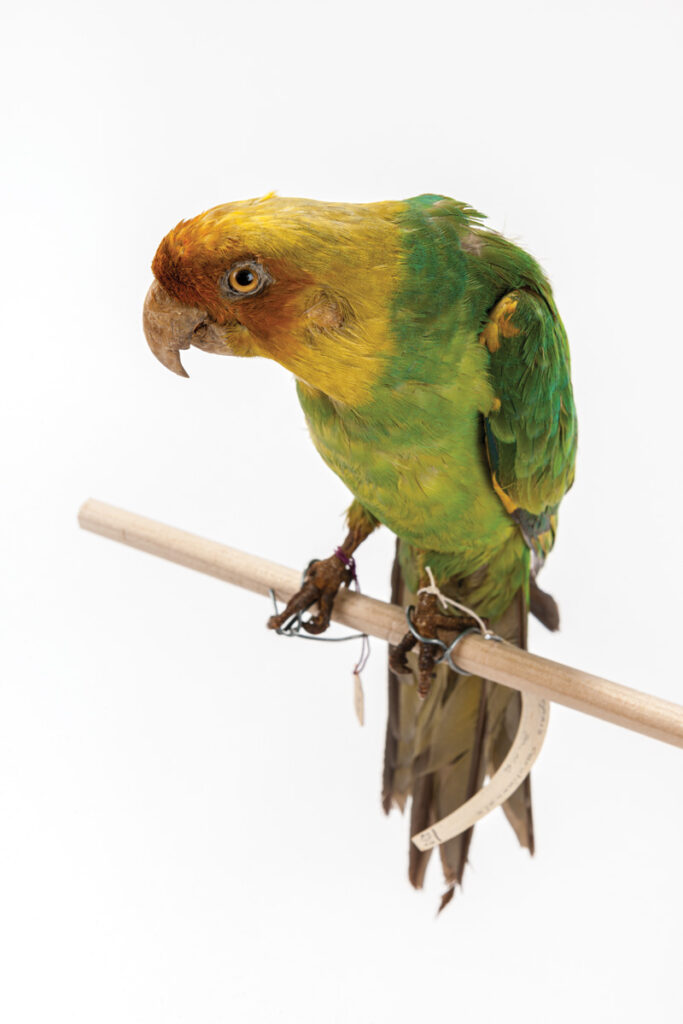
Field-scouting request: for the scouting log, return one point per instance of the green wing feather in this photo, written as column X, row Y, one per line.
column 531, row 434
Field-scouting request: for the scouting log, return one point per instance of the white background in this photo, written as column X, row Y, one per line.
column 190, row 821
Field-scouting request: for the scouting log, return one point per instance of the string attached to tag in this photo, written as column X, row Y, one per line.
column 447, row 650
column 445, row 601
column 349, row 563
column 293, row 628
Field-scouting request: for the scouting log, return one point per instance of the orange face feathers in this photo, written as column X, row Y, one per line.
column 297, row 281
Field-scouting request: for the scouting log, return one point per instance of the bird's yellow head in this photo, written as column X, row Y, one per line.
column 306, row 283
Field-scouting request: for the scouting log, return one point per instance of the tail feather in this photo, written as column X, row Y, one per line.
column 391, row 743
column 543, row 607
column 421, row 817
column 450, row 795
column 440, row 750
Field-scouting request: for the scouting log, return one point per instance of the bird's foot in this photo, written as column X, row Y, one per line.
column 321, row 582
column 428, row 621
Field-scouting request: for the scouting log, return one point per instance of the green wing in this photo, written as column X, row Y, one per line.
column 531, row 431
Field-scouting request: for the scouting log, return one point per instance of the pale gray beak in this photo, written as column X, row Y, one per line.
column 169, row 326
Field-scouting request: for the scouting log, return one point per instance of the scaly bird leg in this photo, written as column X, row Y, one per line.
column 429, row 621
column 324, row 577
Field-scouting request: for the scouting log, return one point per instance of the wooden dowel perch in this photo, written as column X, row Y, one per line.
column 501, row 663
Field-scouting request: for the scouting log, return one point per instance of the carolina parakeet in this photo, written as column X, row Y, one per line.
column 433, row 370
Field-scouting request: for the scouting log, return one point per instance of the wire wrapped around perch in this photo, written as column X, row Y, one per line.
column 501, row 663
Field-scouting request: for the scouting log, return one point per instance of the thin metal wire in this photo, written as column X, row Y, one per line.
column 448, row 649
column 292, row 628
column 418, row 636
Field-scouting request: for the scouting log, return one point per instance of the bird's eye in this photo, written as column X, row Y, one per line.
column 245, row 279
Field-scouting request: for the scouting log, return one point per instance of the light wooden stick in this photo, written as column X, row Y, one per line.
column 501, row 663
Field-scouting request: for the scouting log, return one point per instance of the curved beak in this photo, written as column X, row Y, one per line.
column 169, row 326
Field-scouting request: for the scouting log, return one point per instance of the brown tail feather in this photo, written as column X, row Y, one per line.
column 391, row 743
column 454, row 853
column 421, row 817
column 439, row 750
column 543, row 606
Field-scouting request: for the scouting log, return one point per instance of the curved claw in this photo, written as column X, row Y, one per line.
column 319, row 623
column 299, row 602
column 397, row 655
column 424, row 625
column 321, row 582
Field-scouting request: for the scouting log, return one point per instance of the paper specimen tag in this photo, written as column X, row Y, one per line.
column 512, row 772
column 358, row 698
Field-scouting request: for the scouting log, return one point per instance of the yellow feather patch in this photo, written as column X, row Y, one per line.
column 508, row 503
column 499, row 325
column 345, row 262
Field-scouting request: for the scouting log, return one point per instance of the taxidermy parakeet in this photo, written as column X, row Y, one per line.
column 433, row 370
